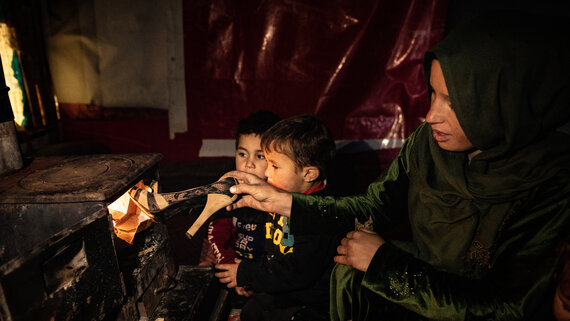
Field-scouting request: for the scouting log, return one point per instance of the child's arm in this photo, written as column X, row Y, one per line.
column 221, row 237
column 227, row 273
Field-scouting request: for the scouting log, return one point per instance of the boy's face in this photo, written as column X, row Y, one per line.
column 283, row 173
column 249, row 156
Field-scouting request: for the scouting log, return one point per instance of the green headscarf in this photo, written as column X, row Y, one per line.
column 508, row 76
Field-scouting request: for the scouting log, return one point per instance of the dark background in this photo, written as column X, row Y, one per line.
column 357, row 65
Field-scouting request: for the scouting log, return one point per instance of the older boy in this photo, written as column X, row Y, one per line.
column 242, row 235
column 295, row 271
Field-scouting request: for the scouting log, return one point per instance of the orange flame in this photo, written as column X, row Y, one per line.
column 128, row 218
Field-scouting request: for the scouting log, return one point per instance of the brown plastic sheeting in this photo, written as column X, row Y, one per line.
column 357, row 65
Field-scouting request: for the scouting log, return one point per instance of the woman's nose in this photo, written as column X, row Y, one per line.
column 434, row 113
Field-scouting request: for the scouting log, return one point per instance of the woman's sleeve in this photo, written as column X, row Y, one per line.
column 518, row 282
column 385, row 201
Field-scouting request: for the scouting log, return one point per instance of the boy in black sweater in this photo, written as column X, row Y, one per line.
column 294, row 275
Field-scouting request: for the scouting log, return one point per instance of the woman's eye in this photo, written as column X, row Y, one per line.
column 261, row 157
column 241, row 154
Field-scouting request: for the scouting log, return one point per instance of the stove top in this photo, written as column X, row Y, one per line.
column 74, row 178
column 55, row 196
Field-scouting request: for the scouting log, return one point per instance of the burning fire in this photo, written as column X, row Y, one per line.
column 128, row 218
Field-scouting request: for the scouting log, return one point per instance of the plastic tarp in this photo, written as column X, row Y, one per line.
column 357, row 65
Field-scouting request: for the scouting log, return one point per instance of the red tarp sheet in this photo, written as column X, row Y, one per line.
column 357, row 65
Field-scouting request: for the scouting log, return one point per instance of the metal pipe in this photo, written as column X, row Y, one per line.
column 10, row 152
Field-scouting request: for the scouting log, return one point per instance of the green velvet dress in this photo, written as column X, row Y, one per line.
column 486, row 231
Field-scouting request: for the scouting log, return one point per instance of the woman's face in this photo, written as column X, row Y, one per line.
column 444, row 124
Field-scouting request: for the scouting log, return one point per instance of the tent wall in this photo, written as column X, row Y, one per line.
column 134, row 76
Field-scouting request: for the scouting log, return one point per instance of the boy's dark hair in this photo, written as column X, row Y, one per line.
column 305, row 139
column 256, row 123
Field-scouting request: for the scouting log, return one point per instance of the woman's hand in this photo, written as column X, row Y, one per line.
column 258, row 194
column 562, row 296
column 358, row 248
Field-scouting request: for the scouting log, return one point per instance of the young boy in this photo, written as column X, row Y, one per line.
column 294, row 273
column 242, row 236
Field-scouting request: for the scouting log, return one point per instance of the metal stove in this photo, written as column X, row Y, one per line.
column 59, row 257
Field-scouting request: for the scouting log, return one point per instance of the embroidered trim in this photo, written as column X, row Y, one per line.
column 479, row 256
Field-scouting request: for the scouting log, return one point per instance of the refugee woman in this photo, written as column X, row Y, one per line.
column 484, row 182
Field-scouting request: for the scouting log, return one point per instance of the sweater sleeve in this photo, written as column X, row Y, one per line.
column 312, row 257
column 519, row 280
column 221, row 235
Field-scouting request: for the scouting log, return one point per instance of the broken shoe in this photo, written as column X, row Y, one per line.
column 162, row 206
column 214, row 203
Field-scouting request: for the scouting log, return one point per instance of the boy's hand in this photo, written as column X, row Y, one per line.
column 358, row 248
column 259, row 195
column 229, row 276
column 242, row 291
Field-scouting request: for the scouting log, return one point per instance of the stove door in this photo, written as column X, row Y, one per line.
column 74, row 276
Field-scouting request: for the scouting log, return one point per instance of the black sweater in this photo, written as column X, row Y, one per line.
column 297, row 275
